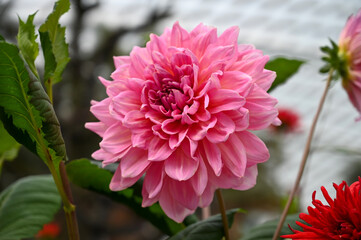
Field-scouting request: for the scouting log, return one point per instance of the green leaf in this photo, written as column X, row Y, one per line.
column 9, row 147
column 28, row 46
column 210, row 229
column 55, row 48
column 87, row 175
column 26, row 206
column 266, row 230
column 25, row 108
column 2, row 38
column 284, row 68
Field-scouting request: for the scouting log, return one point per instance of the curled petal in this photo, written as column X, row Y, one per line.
column 119, row 183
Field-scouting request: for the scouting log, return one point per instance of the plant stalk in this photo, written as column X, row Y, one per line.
column 63, row 186
column 223, row 213
column 304, row 158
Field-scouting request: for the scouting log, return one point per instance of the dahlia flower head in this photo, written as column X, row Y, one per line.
column 290, row 121
column 350, row 53
column 340, row 219
column 179, row 113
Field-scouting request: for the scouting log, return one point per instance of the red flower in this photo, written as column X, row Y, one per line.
column 341, row 219
column 290, row 120
column 50, row 230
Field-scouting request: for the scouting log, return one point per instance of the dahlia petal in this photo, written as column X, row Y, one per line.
column 179, row 36
column 147, row 201
column 97, row 127
column 116, row 139
column 240, row 118
column 101, row 111
column 157, row 44
column 223, row 100
column 126, row 101
column 105, row 82
column 229, row 36
column 120, row 60
column 198, row 131
column 200, row 179
column 354, row 94
column 134, row 163
column 135, row 119
column 207, row 197
column 234, row 155
column 265, row 79
column 177, row 139
column 223, row 128
column 172, row 126
column 216, row 54
column 158, row 149
column 261, row 109
column 154, row 116
column 171, row 207
column 115, row 87
column 179, row 166
column 119, row 183
column 256, row 150
column 201, row 29
column 249, row 179
column 107, row 158
column 120, row 73
column 153, row 181
column 200, row 42
column 213, row 156
column 237, row 81
column 139, row 60
column 183, row 193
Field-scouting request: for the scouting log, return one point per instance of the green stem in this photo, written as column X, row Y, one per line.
column 49, row 89
column 304, row 158
column 62, row 184
column 2, row 160
column 223, row 213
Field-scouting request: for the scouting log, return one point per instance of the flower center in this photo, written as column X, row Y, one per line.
column 169, row 95
column 170, row 90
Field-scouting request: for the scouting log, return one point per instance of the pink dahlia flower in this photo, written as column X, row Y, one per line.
column 179, row 112
column 350, row 53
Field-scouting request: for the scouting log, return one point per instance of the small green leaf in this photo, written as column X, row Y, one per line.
column 284, row 69
column 89, row 176
column 2, row 38
column 28, row 46
column 55, row 48
column 25, row 109
column 26, row 206
column 266, row 230
column 210, row 229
